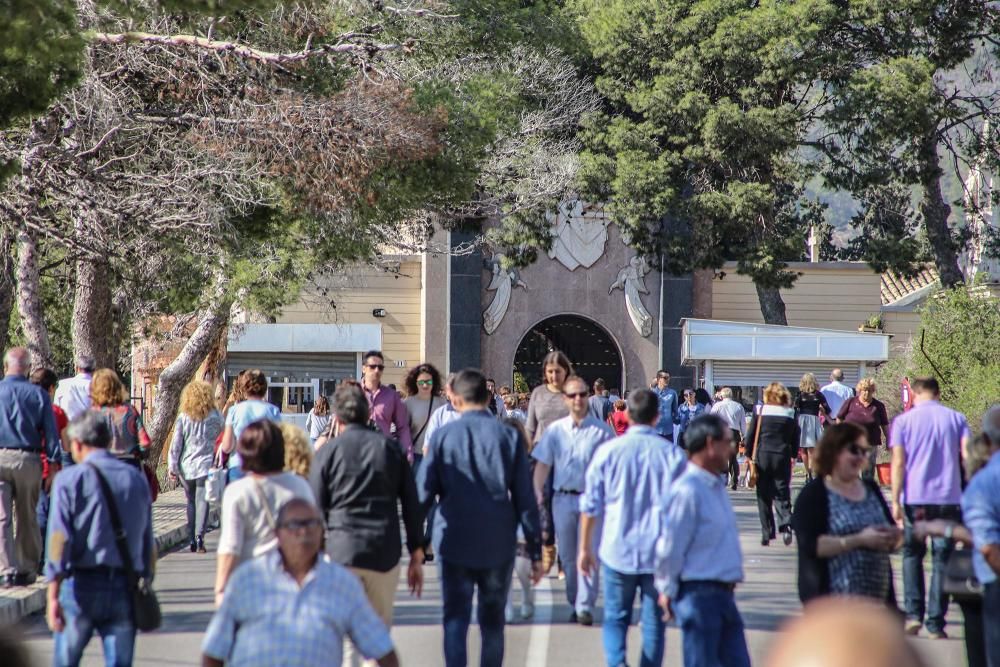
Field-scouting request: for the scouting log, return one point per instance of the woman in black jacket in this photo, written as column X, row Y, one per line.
column 843, row 525
column 774, row 442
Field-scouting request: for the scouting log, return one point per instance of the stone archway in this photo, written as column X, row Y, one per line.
column 593, row 352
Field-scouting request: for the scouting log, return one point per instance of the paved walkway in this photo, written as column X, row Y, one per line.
column 169, row 527
column 767, row 599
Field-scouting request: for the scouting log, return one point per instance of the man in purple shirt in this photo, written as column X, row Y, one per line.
column 927, row 444
column 385, row 406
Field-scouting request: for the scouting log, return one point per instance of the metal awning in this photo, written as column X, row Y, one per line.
column 719, row 340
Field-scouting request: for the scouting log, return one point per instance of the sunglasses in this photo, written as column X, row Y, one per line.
column 579, row 394
column 425, row 383
column 299, row 524
column 376, row 367
column 858, row 450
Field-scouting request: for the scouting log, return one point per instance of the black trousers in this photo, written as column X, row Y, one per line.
column 734, row 466
column 774, row 492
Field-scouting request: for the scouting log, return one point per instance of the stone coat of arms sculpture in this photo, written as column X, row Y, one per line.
column 581, row 232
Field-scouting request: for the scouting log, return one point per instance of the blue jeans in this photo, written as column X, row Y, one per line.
column 458, row 584
column 914, row 551
column 711, row 626
column 619, row 595
column 95, row 600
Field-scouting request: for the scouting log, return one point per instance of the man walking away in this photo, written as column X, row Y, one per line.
column 88, row 589
column 292, row 607
column 669, row 406
column 628, row 483
column 477, row 469
column 566, row 448
column 357, row 483
column 385, row 405
column 73, row 394
column 927, row 446
column 700, row 561
column 735, row 417
column 836, row 393
column 27, row 426
column 599, row 404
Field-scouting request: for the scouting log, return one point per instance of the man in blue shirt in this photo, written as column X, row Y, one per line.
column 981, row 515
column 88, row 588
column 566, row 448
column 700, row 561
column 27, row 425
column 669, row 406
column 628, row 483
column 477, row 469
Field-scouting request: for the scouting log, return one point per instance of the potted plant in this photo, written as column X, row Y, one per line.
column 873, row 324
column 883, row 465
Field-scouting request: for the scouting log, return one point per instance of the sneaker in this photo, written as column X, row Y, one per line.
column 508, row 614
column 786, row 537
column 201, row 545
column 937, row 634
column 24, row 579
column 7, row 581
column 912, row 627
column 572, row 617
column 764, row 542
column 193, row 546
column 585, row 618
column 527, row 611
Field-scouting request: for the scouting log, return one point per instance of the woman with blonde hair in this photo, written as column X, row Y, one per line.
column 773, row 441
column 809, row 405
column 870, row 414
column 298, row 449
column 129, row 440
column 191, row 452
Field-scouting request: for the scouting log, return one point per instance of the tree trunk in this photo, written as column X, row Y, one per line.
column 935, row 210
column 211, row 323
column 29, row 301
column 7, row 283
column 772, row 306
column 93, row 317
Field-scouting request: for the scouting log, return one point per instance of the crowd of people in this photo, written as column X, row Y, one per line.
column 628, row 495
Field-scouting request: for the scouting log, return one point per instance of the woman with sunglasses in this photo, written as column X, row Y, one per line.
column 688, row 410
column 843, row 525
column 423, row 397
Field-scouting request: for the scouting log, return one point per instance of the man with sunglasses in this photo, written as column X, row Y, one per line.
column 294, row 605
column 385, row 406
column 566, row 448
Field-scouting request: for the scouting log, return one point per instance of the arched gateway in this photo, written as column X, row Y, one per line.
column 592, row 350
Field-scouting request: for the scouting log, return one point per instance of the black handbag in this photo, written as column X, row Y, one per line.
column 960, row 581
column 145, row 607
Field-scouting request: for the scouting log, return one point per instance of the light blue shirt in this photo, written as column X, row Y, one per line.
column 628, row 483
column 981, row 515
column 443, row 415
column 700, row 540
column 687, row 413
column 266, row 618
column 569, row 448
column 669, row 415
column 836, row 393
column 245, row 413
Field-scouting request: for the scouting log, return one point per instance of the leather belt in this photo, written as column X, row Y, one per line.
column 569, row 492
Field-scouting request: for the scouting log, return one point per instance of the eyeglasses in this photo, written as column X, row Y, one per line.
column 425, row 383
column 299, row 524
column 579, row 394
column 857, row 449
column 376, row 367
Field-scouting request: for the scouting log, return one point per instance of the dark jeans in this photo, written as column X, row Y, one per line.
column 100, row 601
column 991, row 623
column 197, row 507
column 458, row 584
column 619, row 595
column 774, row 480
column 418, row 460
column 975, row 646
column 711, row 626
column 914, row 551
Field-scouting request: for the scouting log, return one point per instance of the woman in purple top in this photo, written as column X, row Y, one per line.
column 869, row 413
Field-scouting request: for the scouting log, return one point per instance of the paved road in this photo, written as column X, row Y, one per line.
column 768, row 598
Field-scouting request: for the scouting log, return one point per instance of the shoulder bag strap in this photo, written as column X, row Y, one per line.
column 430, row 411
column 267, row 506
column 756, row 436
column 116, row 523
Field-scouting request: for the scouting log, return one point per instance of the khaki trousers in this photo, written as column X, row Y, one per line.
column 380, row 588
column 20, row 484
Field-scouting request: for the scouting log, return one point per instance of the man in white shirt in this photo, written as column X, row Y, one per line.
column 836, row 392
column 73, row 394
column 735, row 416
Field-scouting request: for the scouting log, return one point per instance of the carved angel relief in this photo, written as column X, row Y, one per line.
column 631, row 280
column 503, row 283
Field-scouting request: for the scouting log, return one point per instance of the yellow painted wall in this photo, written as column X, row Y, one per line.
column 833, row 296
column 354, row 294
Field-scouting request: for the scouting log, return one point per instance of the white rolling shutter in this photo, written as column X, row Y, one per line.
column 762, row 373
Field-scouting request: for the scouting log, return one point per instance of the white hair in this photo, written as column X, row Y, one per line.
column 17, row 360
column 726, row 392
